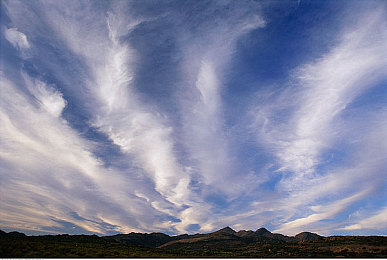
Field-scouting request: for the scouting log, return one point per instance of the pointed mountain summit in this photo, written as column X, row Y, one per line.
column 262, row 231
column 226, row 230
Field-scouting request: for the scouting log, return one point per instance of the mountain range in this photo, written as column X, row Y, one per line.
column 226, row 235
column 225, row 242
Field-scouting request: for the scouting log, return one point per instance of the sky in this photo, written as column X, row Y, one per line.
column 189, row 116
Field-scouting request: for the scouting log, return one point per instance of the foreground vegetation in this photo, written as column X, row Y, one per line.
column 71, row 246
column 94, row 246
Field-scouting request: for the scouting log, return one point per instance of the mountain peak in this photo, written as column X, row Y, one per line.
column 307, row 236
column 226, row 230
column 262, row 231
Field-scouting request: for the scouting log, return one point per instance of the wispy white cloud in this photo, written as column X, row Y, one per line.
column 206, row 60
column 307, row 119
column 17, row 39
column 325, row 88
column 49, row 172
column 49, row 99
column 377, row 221
column 325, row 212
column 141, row 133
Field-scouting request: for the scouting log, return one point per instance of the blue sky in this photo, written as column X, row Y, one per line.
column 188, row 116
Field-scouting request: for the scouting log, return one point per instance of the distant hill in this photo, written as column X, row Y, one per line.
column 11, row 234
column 149, row 240
column 307, row 236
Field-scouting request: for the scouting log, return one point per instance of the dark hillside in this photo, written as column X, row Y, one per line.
column 222, row 243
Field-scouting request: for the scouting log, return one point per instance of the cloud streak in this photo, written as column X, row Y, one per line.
column 377, row 221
